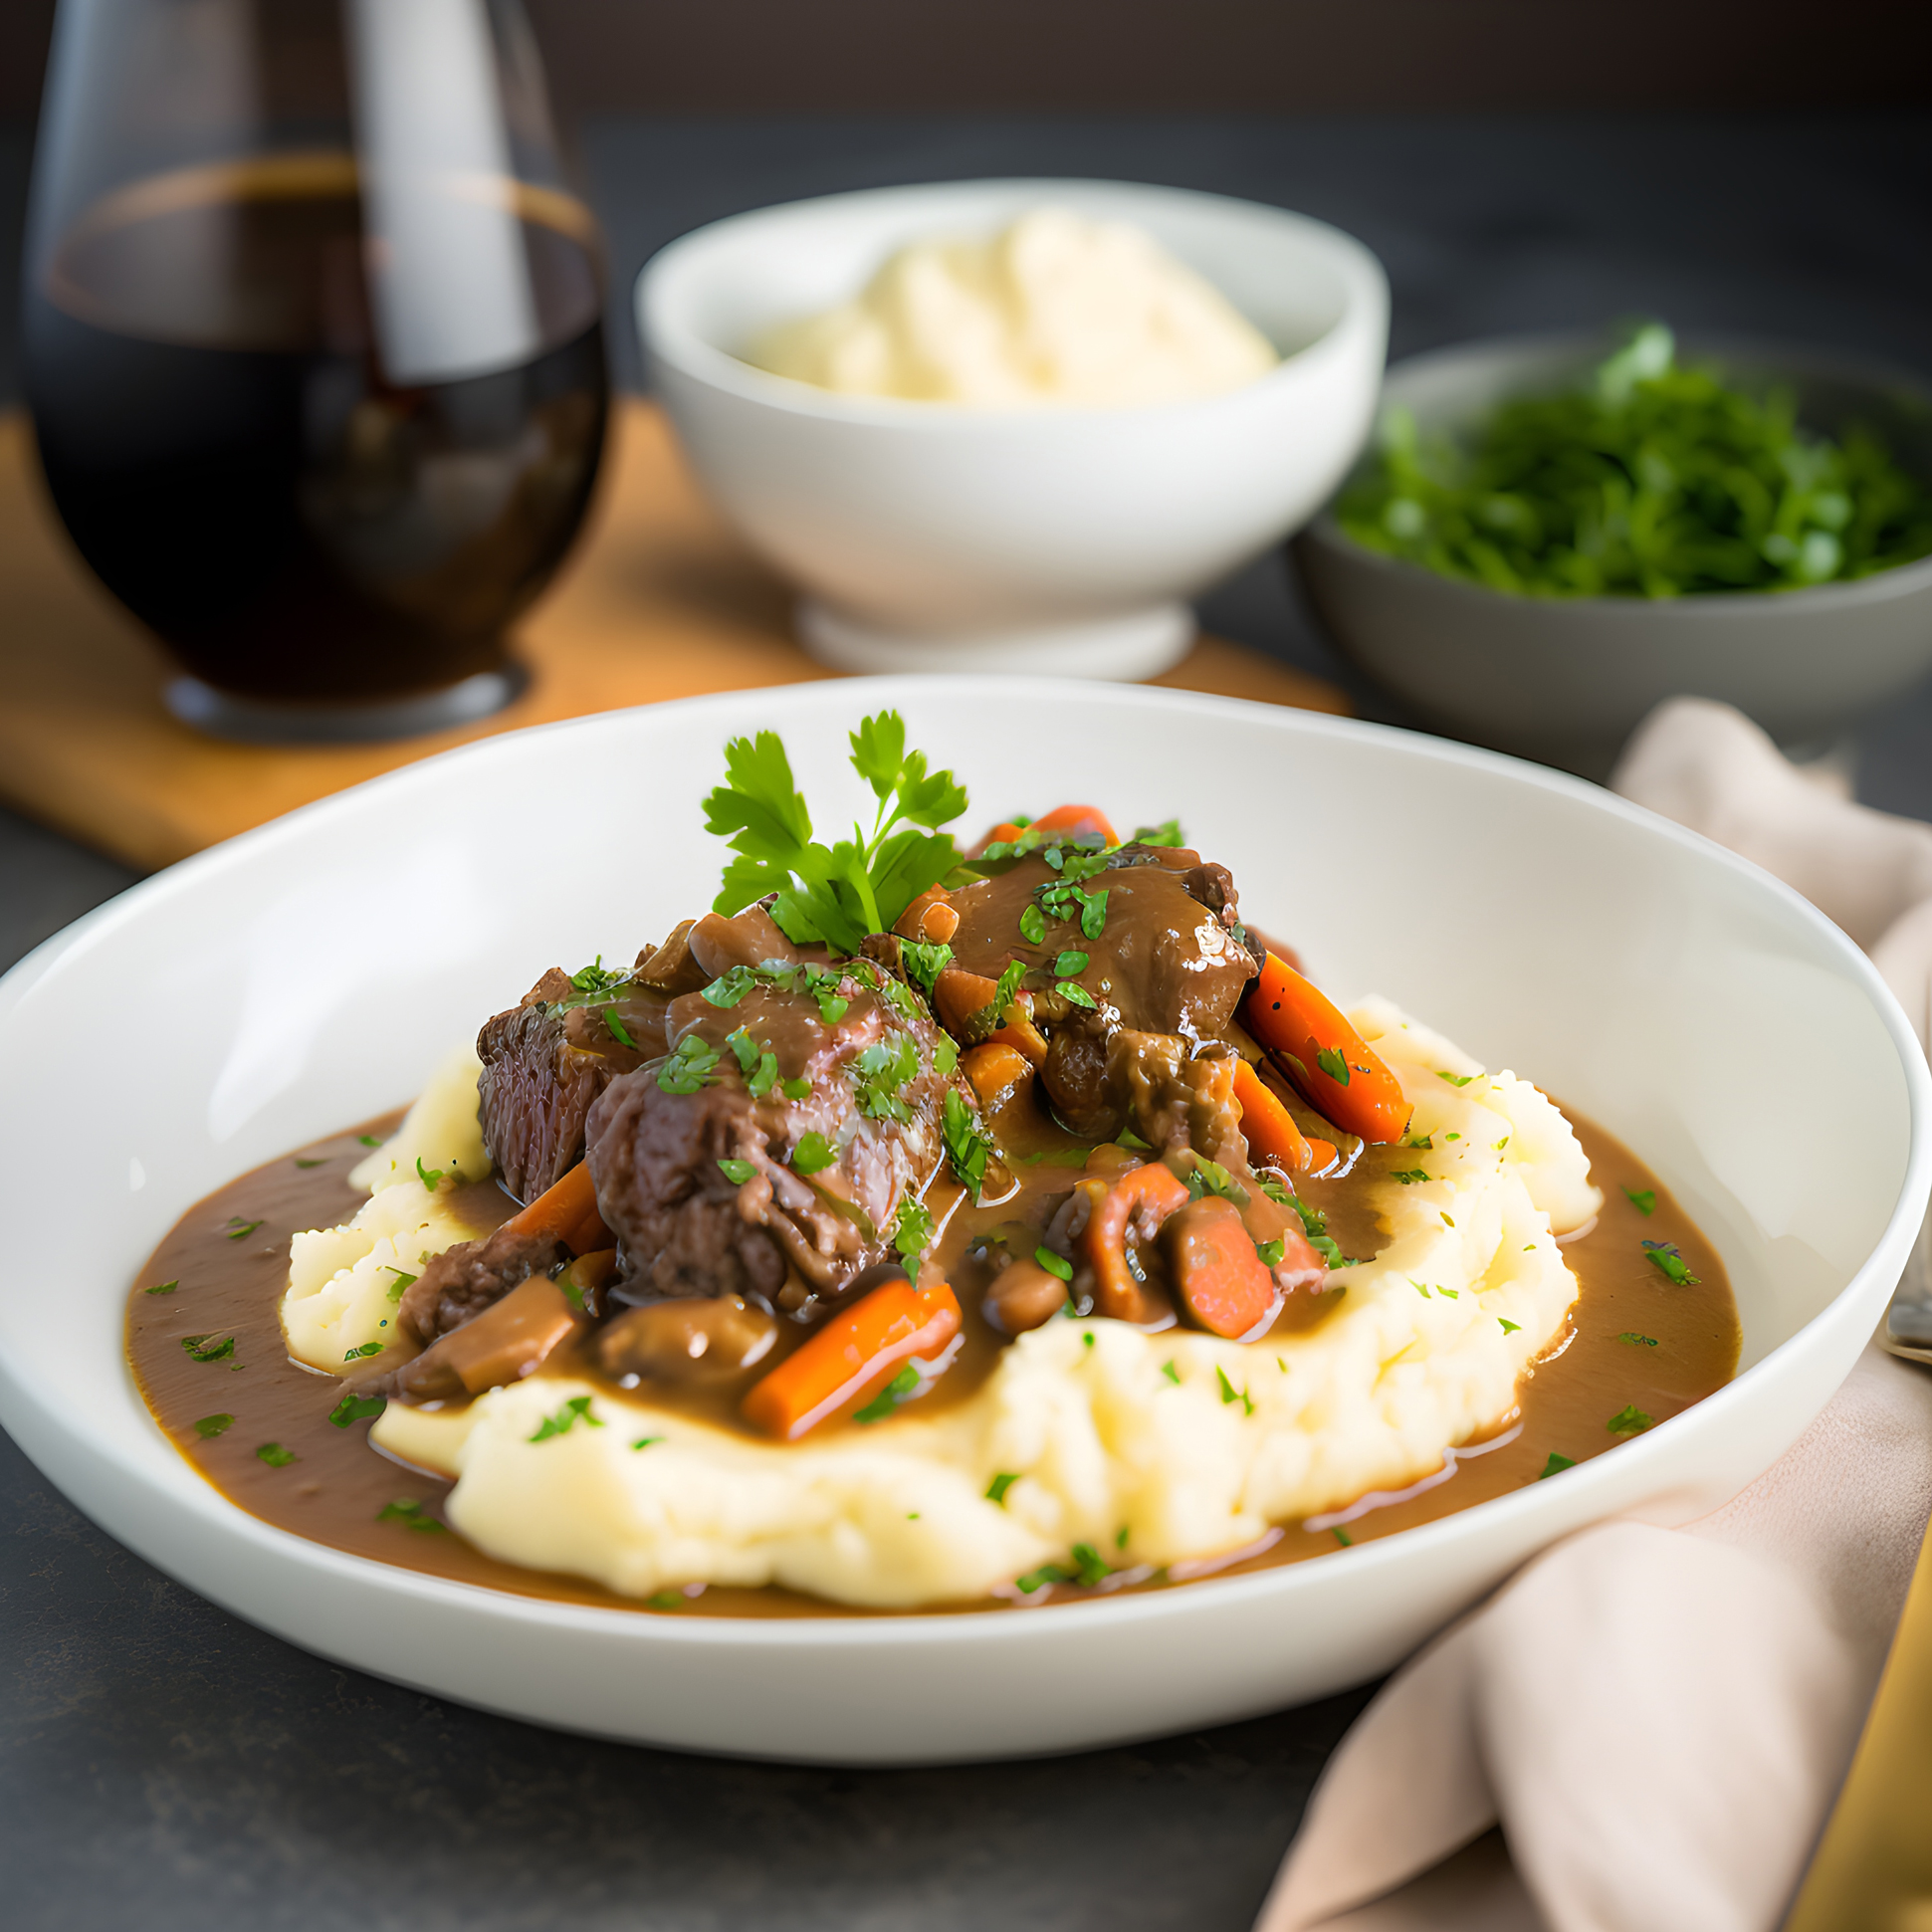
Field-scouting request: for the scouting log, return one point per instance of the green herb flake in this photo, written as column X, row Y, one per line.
column 1629, row 1422
column 690, row 1068
column 208, row 1348
column 410, row 1513
column 795, row 1089
column 1457, row 1079
column 811, row 1153
column 1643, row 1200
column 1334, row 1065
column 210, row 1427
column 316, row 1161
column 239, row 1229
column 1087, row 1340
column 1120, row 1538
column 1093, row 913
column 275, row 1455
column 1054, row 1264
column 1342, row 1537
column 1424, row 1143
column 617, row 1030
column 1410, row 1177
column 758, row 1082
column 1229, row 1394
column 1171, row 1372
column 362, row 1350
column 1556, row 1465
column 162, row 1288
column 1167, row 834
column 997, row 1488
column 1271, row 1252
column 1637, row 1340
column 645, row 1441
column 965, row 1145
column 1508, row 1327
column 737, row 1171
column 1076, row 994
column 403, row 1281
column 574, row 1412
column 667, row 1599
column 889, row 1397
column 1069, row 964
column 1032, row 925
column 1417, row 1286
column 1670, row 1264
column 430, row 1178
column 911, row 1233
column 367, row 1139
column 356, row 1409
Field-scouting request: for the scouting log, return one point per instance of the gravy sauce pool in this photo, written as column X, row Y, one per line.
column 1635, row 1340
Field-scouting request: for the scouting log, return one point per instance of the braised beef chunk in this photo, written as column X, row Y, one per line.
column 548, row 1058
column 821, row 1081
column 461, row 1282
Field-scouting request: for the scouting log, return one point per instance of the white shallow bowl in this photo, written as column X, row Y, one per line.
column 928, row 538
column 304, row 976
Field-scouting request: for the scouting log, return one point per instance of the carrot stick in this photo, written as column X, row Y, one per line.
column 1267, row 1125
column 569, row 1210
column 856, row 1352
column 959, row 996
column 1150, row 1193
column 1220, row 1279
column 996, row 1070
column 1327, row 1060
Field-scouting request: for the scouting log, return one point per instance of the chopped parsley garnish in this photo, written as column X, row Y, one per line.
column 1424, row 1143
column 667, row 1599
column 645, row 1441
column 924, row 961
column 997, row 1488
column 1054, row 1264
column 911, row 1233
column 1334, row 1065
column 965, row 1145
column 882, row 1069
column 889, row 1397
column 838, row 893
column 1457, row 1079
column 794, row 1089
column 1229, row 1394
column 1452, row 1294
column 1167, row 834
column 409, row 1512
column 1211, row 1178
column 758, row 1083
column 1271, row 1252
column 1670, row 1264
column 1006, row 989
column 1089, row 1569
column 238, row 1229
column 368, row 1140
column 1077, row 994
column 1171, row 1372
column 1069, row 964
column 1556, row 1465
column 1452, row 1137
column 208, row 1348
column 946, row 1055
column 1087, row 1340
column 572, row 1293
column 596, row 978
column 574, row 1412
column 745, row 1049
column 1417, row 1286
column 1032, row 925
column 732, row 986
column 210, row 1427
column 402, row 1281
column 1314, row 1225
column 1643, row 1200
column 812, row 1152
column 1408, row 1177
column 1637, row 1340
column 354, row 1409
column 617, row 1030
column 1092, row 913
column 737, row 1171
column 1508, row 1327
column 276, row 1456
column 1629, row 1422
column 1342, row 1537
column 690, row 1068
column 431, row 1178
column 362, row 1349
column 162, row 1288
column 318, row 1160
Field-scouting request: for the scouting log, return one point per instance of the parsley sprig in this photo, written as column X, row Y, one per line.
column 837, row 893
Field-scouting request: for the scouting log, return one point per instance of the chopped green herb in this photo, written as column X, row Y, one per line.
column 1629, row 1422
column 1092, row 913
column 430, row 1178
column 965, row 1145
column 1670, row 1264
column 1417, row 1286
column 889, row 1397
column 1271, row 1252
column 1556, row 1465
column 1334, row 1065
column 208, row 1348
column 1089, row 1569
column 162, row 1288
column 617, row 1032
column 1006, row 988
column 997, row 1488
column 1120, row 1538
column 402, row 1281
column 645, row 1441
column 745, row 1049
column 1637, row 1340
column 883, row 1070
column 1171, row 1372
column 362, row 1349
column 319, row 1161
column 1076, row 994
column 1342, row 1537
column 1069, row 964
column 577, row 1409
column 1211, row 1178
column 409, row 1512
column 1087, row 1340
column 795, row 1089
column 1457, row 1079
column 811, row 1153
column 1410, row 1175
column 1229, row 1394
column 1508, row 1327
column 210, row 1427
column 1451, row 1294
column 1452, row 1137
column 1423, row 1143
column 737, row 1171
column 354, row 1409
column 759, row 1081
column 924, row 961
column 667, row 1599
column 1054, row 1264
column 238, row 1229
column 276, row 1456
column 1032, row 925
column 1167, row 834
column 1643, row 1200
column 571, row 1292
column 368, row 1140
column 946, row 1055
column 911, row 1233
column 690, row 1068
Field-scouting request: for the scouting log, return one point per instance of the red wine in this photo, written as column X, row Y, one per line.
column 226, row 451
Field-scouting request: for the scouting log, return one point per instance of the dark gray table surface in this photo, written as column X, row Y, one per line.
column 163, row 1764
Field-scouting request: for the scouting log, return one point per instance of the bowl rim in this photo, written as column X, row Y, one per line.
column 667, row 341
column 1851, row 367
column 207, row 1508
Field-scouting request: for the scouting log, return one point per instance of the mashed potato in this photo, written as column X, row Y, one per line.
column 1152, row 1449
column 1055, row 310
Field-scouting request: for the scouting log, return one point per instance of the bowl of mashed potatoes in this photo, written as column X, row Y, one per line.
column 1014, row 426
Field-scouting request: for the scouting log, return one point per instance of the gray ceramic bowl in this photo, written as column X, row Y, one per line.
column 1565, row 680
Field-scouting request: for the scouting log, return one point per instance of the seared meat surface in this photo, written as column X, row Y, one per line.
column 460, row 1283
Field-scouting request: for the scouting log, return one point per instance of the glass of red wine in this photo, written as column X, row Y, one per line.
column 313, row 333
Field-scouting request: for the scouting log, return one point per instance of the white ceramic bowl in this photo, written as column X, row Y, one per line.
column 928, row 538
column 308, row 973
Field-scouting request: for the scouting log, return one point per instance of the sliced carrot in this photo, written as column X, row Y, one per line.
column 1267, row 1125
column 931, row 917
column 569, row 1210
column 996, row 1071
column 959, row 997
column 852, row 1356
column 1220, row 1279
column 1330, row 1063
column 1146, row 1196
column 1062, row 819
column 1323, row 1155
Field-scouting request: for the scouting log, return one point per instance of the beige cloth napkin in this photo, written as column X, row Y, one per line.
column 1659, row 1719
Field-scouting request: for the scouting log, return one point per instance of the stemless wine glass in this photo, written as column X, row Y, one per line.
column 313, row 346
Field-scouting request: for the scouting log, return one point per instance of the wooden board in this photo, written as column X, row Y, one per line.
column 659, row 600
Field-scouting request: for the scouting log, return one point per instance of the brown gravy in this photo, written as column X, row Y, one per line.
column 1635, row 1340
